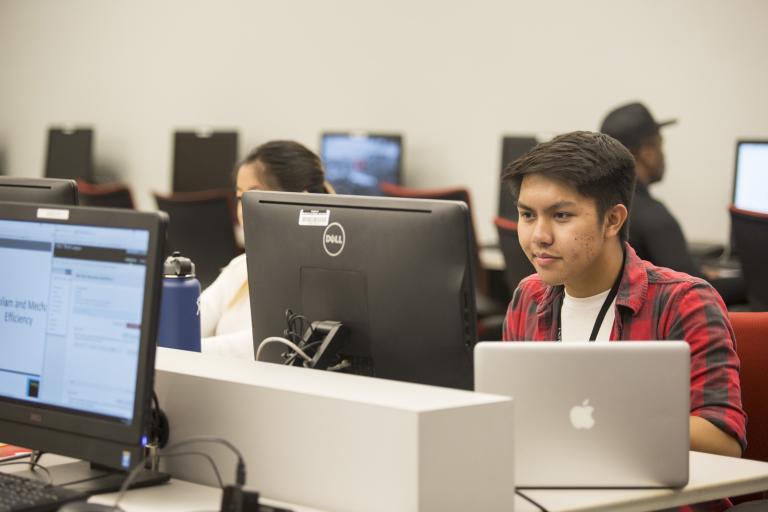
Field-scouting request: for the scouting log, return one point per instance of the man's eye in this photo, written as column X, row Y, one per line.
column 526, row 215
column 563, row 215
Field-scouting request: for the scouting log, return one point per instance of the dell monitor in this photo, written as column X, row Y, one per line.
column 512, row 148
column 38, row 190
column 70, row 154
column 203, row 161
column 78, row 315
column 750, row 180
column 397, row 274
column 355, row 163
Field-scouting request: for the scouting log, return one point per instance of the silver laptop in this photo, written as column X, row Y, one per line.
column 593, row 414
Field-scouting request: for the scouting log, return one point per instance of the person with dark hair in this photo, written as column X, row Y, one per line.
column 654, row 232
column 574, row 194
column 225, row 310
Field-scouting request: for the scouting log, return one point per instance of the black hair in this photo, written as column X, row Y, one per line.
column 288, row 166
column 596, row 164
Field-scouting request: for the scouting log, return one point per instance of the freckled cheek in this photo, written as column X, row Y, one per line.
column 583, row 246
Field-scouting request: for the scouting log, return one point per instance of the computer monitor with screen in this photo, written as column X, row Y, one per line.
column 203, row 161
column 355, row 163
column 78, row 315
column 750, row 181
column 70, row 154
column 397, row 273
column 38, row 190
column 512, row 148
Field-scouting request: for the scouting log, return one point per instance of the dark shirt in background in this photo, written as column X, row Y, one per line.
column 657, row 237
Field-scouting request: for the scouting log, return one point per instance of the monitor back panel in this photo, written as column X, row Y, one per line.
column 396, row 271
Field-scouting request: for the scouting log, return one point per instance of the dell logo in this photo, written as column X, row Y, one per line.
column 334, row 239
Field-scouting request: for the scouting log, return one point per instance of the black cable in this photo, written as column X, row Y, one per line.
column 240, row 473
column 34, row 465
column 36, row 454
column 240, row 477
column 531, row 501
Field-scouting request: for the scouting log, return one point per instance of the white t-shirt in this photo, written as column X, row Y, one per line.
column 578, row 317
column 226, row 326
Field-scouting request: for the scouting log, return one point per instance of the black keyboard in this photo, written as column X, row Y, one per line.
column 17, row 494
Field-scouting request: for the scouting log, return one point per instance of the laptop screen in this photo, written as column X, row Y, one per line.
column 70, row 315
column 750, row 191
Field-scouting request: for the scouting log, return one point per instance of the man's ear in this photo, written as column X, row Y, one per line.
column 615, row 218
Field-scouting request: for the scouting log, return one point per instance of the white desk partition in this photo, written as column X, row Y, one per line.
column 340, row 442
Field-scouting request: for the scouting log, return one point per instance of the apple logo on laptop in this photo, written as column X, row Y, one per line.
column 581, row 415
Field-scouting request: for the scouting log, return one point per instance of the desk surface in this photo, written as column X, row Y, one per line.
column 180, row 496
column 711, row 477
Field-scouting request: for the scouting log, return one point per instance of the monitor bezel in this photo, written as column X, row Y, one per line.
column 76, row 433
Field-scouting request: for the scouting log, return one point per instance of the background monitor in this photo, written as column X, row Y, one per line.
column 38, row 190
column 355, row 163
column 70, row 154
column 203, row 161
column 78, row 314
column 398, row 274
column 512, row 148
column 750, row 180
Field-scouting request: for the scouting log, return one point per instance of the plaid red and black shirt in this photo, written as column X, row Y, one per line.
column 655, row 303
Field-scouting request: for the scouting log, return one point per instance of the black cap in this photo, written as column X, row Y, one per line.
column 631, row 124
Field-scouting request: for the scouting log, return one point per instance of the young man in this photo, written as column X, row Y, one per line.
column 574, row 194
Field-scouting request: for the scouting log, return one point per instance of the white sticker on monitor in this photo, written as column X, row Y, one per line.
column 50, row 213
column 314, row 217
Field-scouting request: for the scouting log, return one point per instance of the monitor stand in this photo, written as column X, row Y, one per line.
column 93, row 479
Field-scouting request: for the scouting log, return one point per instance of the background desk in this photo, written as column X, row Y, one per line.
column 711, row 477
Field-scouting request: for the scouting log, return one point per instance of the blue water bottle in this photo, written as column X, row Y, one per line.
column 180, row 305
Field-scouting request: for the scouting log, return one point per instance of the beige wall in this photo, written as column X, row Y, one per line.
column 451, row 76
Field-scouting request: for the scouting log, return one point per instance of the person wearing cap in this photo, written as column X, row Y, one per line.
column 654, row 232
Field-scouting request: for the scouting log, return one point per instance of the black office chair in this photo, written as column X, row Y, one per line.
column 517, row 264
column 69, row 154
column 750, row 237
column 113, row 195
column 202, row 228
column 203, row 161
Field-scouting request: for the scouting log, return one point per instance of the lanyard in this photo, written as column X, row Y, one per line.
column 600, row 316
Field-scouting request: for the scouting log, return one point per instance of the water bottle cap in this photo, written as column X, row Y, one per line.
column 177, row 265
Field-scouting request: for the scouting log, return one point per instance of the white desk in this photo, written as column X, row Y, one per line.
column 180, row 496
column 712, row 477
